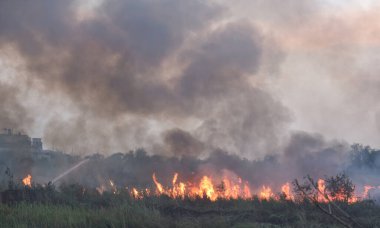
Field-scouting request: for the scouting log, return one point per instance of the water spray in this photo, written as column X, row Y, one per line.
column 69, row 171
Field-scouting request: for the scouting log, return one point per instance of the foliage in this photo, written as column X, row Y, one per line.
column 364, row 157
column 340, row 187
column 76, row 206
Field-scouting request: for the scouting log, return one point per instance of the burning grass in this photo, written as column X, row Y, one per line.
column 77, row 206
column 338, row 188
column 109, row 210
column 219, row 200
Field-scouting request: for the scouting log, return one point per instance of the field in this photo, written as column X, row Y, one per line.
column 75, row 206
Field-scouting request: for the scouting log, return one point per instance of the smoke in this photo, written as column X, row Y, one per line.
column 14, row 114
column 314, row 155
column 306, row 154
column 182, row 143
column 206, row 87
column 129, row 71
column 187, row 78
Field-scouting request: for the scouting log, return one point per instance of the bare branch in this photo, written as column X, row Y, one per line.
column 316, row 203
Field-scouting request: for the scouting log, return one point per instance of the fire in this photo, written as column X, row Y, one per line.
column 266, row 193
column 27, row 181
column 207, row 188
column 160, row 189
column 285, row 189
column 227, row 187
column 247, row 191
column 367, row 188
column 321, row 191
column 178, row 190
column 136, row 194
column 353, row 199
column 181, row 190
column 235, row 188
column 175, row 178
column 340, row 196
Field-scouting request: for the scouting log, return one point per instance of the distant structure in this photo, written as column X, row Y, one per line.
column 16, row 151
column 15, row 143
column 37, row 145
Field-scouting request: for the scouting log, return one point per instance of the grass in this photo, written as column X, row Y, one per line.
column 71, row 207
column 38, row 215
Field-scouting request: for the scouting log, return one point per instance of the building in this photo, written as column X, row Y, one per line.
column 37, row 145
column 16, row 152
column 14, row 142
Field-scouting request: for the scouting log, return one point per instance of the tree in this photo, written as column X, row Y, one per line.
column 323, row 198
column 340, row 187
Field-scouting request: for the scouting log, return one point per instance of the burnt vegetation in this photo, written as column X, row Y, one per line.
column 71, row 204
column 74, row 205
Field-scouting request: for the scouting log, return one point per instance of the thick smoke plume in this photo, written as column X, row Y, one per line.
column 203, row 86
column 306, row 154
column 125, row 68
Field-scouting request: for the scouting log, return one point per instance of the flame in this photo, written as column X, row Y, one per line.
column 266, row 193
column 175, row 178
column 136, row 194
column 247, row 191
column 206, row 188
column 367, row 188
column 210, row 189
column 182, row 189
column 235, row 191
column 321, row 191
column 160, row 189
column 27, row 181
column 285, row 189
column 227, row 188
column 353, row 199
column 178, row 190
column 340, row 196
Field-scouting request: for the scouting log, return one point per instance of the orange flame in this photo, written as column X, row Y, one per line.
column 321, row 191
column 247, row 191
column 175, row 178
column 285, row 189
column 228, row 188
column 353, row 199
column 206, row 187
column 136, row 194
column 27, row 181
column 178, row 190
column 367, row 188
column 160, row 189
column 266, row 193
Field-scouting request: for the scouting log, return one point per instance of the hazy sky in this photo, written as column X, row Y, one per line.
column 180, row 76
